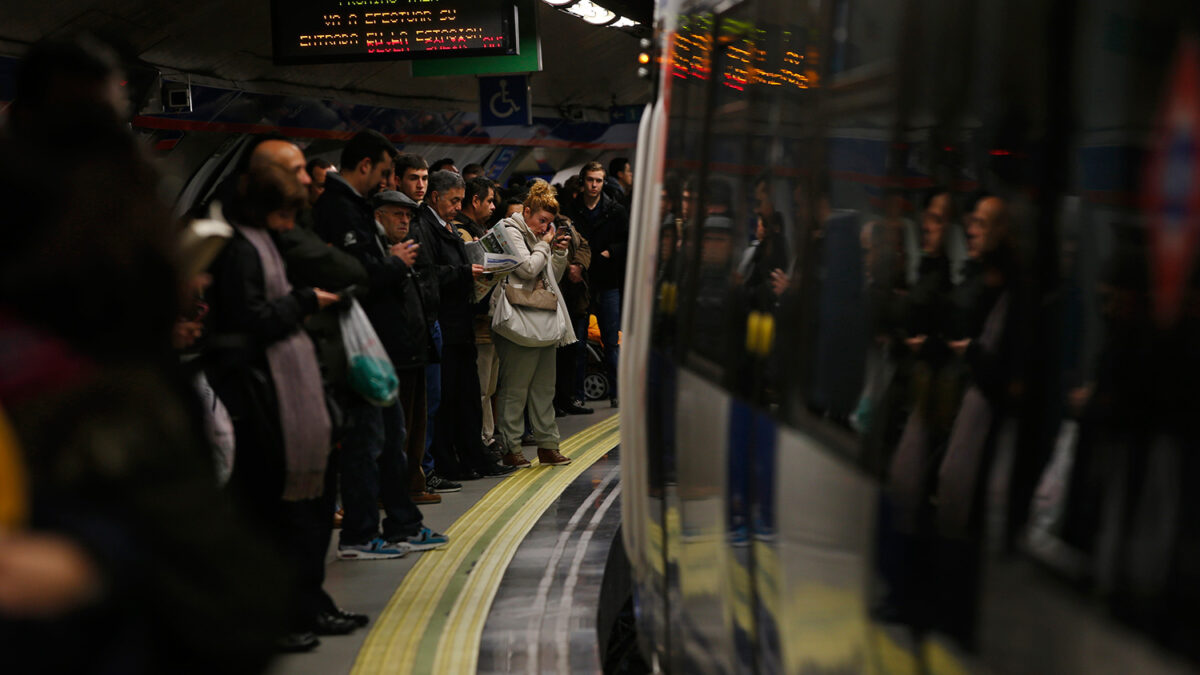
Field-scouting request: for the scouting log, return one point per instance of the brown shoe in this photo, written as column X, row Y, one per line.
column 426, row 498
column 416, row 480
column 516, row 459
column 552, row 457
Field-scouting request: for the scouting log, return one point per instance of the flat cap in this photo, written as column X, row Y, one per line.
column 393, row 198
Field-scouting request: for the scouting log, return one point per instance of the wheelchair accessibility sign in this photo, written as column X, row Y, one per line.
column 505, row 101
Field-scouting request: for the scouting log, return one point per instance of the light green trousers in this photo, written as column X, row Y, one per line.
column 527, row 380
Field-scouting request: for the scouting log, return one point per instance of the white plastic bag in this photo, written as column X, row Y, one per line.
column 218, row 426
column 368, row 367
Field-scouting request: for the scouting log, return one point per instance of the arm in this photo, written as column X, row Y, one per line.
column 583, row 252
column 620, row 233
column 534, row 260
column 241, row 297
column 558, row 264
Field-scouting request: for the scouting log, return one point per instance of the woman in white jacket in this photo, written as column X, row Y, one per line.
column 530, row 323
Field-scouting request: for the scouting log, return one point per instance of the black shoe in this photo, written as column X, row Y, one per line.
column 465, row 474
column 560, row 412
column 328, row 623
column 436, row 483
column 358, row 619
column 297, row 642
column 613, row 401
column 495, row 470
column 577, row 408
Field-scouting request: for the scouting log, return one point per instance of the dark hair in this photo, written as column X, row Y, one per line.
column 473, row 168
column 316, row 163
column 368, row 144
column 263, row 190
column 58, row 66
column 441, row 181
column 441, row 164
column 617, row 165
column 406, row 161
column 477, row 187
column 590, row 167
column 98, row 217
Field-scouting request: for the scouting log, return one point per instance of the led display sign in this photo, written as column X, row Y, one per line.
column 332, row 31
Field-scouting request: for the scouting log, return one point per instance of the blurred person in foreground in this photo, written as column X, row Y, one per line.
column 129, row 559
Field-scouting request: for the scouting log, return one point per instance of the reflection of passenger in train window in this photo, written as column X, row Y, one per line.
column 720, row 313
column 841, row 338
column 990, row 353
column 766, row 254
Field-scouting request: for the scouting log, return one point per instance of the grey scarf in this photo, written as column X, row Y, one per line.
column 303, row 419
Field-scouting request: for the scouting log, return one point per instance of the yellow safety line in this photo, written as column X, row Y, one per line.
column 458, row 649
column 394, row 642
column 418, row 596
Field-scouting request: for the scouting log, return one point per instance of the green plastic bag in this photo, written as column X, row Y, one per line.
column 369, row 369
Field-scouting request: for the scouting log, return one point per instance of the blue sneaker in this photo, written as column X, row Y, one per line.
column 425, row 540
column 376, row 549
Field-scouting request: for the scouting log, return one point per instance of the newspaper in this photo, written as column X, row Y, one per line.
column 495, row 252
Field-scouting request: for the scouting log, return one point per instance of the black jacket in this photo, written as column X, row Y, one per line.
column 395, row 303
column 445, row 256
column 313, row 263
column 242, row 323
column 606, row 230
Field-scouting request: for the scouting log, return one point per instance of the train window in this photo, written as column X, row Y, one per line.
column 717, row 231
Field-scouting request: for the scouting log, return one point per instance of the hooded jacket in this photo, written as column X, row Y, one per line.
column 395, row 304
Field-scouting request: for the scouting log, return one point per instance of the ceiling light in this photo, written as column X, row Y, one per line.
column 624, row 22
column 558, row 3
column 592, row 13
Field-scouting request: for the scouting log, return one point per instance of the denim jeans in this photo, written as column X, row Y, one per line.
column 433, row 397
column 373, row 470
column 608, row 315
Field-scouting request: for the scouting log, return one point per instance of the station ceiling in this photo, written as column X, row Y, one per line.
column 228, row 42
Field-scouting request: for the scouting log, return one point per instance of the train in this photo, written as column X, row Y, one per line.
column 909, row 341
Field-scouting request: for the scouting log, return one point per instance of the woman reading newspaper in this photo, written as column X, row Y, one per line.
column 530, row 321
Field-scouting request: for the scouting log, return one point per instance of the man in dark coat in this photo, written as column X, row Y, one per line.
column 394, row 212
column 374, row 465
column 457, row 444
column 605, row 224
column 313, row 264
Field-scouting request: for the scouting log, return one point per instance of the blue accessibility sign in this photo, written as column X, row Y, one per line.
column 505, row 101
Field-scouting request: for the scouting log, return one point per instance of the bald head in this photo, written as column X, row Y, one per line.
column 283, row 154
column 987, row 226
